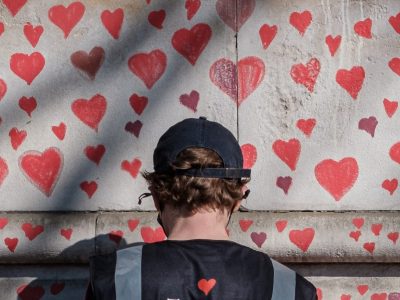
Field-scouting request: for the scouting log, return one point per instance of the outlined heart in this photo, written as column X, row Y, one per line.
column 191, row 43
column 333, row 43
column 89, row 187
column 32, row 33
column 27, row 66
column 66, row 233
column 11, row 243
column 370, row 247
column 31, row 232
column 368, row 125
column 148, row 67
column 190, row 100
column 28, row 292
column 57, row 287
column 3, row 221
column 284, row 183
column 376, row 228
column 156, row 18
column 362, row 289
column 395, row 22
column 59, row 131
column 27, row 104
column 205, row 285
column 306, row 125
column 288, row 152
column 42, row 169
column 3, row 175
column 302, row 238
column 132, row 167
column 235, row 18
column 281, row 225
column 390, row 107
column 394, row 152
column 133, row 223
column 250, row 72
column 112, row 21
column 306, row 74
column 150, row 235
column 267, row 34
column 393, row 236
column 258, row 238
column 390, row 185
column 14, row 6
column 358, row 222
column 337, row 177
column 249, row 153
column 3, row 88
column 245, row 224
column 91, row 111
column 17, row 137
column 66, row 18
column 352, row 81
column 300, row 21
column 134, row 127
column 363, row 28
column 88, row 64
column 355, row 235
column 95, row 153
column 138, row 103
column 116, row 236
column 394, row 64
column 192, row 6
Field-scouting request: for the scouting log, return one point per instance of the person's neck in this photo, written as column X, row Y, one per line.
column 202, row 225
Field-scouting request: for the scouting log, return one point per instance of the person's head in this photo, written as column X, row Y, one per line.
column 198, row 165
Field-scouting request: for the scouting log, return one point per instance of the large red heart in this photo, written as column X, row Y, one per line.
column 132, row 167
column 88, row 187
column 390, row 185
column 233, row 13
column 112, row 21
column 88, row 63
column 288, row 152
column 90, row 112
column 66, row 17
column 206, row 285
column 27, row 292
column 351, row 81
column 3, row 88
column 17, row 137
column 333, row 43
column 148, row 67
column 394, row 64
column 306, row 126
column 395, row 22
column 249, row 73
column 26, row 66
column 191, row 43
column 390, row 107
column 358, row 222
column 249, row 153
column 11, row 243
column 394, row 152
column 267, row 34
column 337, row 177
column 27, row 104
column 150, row 235
column 302, row 238
column 3, row 172
column 156, row 18
column 95, row 153
column 363, row 28
column 300, row 21
column 138, row 103
column 31, row 232
column 192, row 6
column 42, row 169
column 66, row 232
column 14, row 5
column 33, row 33
column 306, row 74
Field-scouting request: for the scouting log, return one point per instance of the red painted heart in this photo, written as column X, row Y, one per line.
column 11, row 243
column 235, row 18
column 192, row 6
column 17, row 137
column 150, row 235
column 390, row 185
column 333, row 43
column 132, row 224
column 148, row 67
column 381, row 296
column 355, row 235
column 14, row 6
column 302, row 238
column 358, row 222
column 258, row 238
column 395, row 22
column 66, row 18
column 362, row 289
column 191, row 43
column 370, row 247
column 27, row 66
column 345, row 297
column 249, row 153
column 95, row 154
column 31, row 232
column 390, row 107
column 1, row 28
column 3, row 174
column 66, row 233
column 191, row 100
column 28, row 292
column 394, row 152
column 88, row 187
column 88, row 64
column 90, row 112
column 205, row 285
column 351, row 81
column 376, row 228
column 42, row 168
column 363, row 28
column 134, row 127
column 394, row 64
column 306, row 126
column 301, row 21
column 156, row 18
column 267, row 34
column 33, row 33
column 284, row 183
column 138, row 103
column 3, row 222
column 288, row 152
column 132, row 167
column 3, row 88
column 112, row 21
column 306, row 74
column 393, row 236
column 59, row 130
column 245, row 224
column 281, row 225
column 27, row 104
column 368, row 124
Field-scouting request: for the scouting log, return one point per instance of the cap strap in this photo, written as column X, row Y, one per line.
column 215, row 172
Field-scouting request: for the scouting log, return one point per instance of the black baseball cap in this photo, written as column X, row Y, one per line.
column 201, row 133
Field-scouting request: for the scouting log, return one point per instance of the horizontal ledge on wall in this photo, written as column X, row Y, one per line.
column 290, row 237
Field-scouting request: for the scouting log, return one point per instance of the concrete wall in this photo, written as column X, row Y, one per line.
column 87, row 87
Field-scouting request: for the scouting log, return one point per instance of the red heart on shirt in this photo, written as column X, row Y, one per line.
column 206, row 285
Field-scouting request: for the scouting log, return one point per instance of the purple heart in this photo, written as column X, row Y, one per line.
column 258, row 238
column 235, row 15
column 284, row 183
column 394, row 296
column 191, row 100
column 134, row 128
column 368, row 124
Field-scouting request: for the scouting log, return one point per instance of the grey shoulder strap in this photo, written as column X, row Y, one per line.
column 128, row 273
column 284, row 282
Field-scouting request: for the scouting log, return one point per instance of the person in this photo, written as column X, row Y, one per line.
column 197, row 184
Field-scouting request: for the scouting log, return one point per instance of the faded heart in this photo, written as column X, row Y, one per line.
column 17, row 137
column 394, row 64
column 206, row 285
column 235, row 18
column 3, row 88
column 90, row 63
column 14, row 6
column 190, row 101
column 306, row 74
column 363, row 28
column 192, row 6
column 66, row 233
column 132, row 224
column 390, row 107
column 281, row 225
column 395, row 22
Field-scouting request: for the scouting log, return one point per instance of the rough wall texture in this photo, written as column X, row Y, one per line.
column 310, row 88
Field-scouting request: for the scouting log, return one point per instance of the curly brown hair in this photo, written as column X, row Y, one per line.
column 193, row 193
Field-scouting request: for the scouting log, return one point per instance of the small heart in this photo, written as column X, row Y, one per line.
column 134, row 128
column 358, row 222
column 370, row 247
column 288, row 152
column 14, row 6
column 394, row 152
column 91, row 111
column 345, row 297
column 59, row 130
column 66, row 232
column 17, row 137
column 300, row 21
column 333, row 43
column 31, row 232
column 302, row 238
column 3, row 88
column 192, row 6
column 376, row 228
column 284, row 183
column 394, row 64
column 245, row 224
column 156, row 18
column 33, row 33
column 206, row 285
column 258, row 238
column 381, row 296
column 249, row 153
column 28, row 292
column 351, row 81
column 88, row 64
column 66, row 18
column 132, row 167
column 368, row 124
column 362, row 289
column 306, row 126
column 281, row 225
column 27, row 66
column 395, row 22
column 306, row 74
column 138, row 103
column 57, row 287
column 390, row 107
column 191, row 100
column 112, row 21
column 363, row 28
column 27, row 104
column 3, row 175
column 267, row 34
column 132, row 224
column 393, row 236
column 11, row 243
column 355, row 235
column 3, row 222
column 150, row 235
column 95, row 153
column 116, row 236
column 88, row 187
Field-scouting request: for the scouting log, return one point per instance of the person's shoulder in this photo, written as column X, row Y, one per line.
column 305, row 289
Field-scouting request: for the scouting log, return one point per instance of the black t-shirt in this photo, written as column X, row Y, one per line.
column 192, row 269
